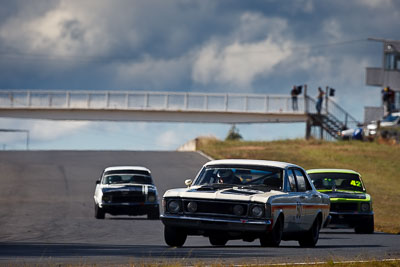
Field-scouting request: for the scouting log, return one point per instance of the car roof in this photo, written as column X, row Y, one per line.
column 268, row 163
column 125, row 168
column 332, row 170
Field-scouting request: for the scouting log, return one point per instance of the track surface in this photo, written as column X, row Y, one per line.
column 46, row 216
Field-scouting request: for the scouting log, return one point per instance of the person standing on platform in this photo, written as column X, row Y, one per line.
column 294, row 94
column 320, row 99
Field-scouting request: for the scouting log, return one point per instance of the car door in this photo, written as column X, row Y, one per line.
column 293, row 213
column 307, row 199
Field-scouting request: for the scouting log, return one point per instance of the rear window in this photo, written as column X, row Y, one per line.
column 127, row 177
column 127, row 172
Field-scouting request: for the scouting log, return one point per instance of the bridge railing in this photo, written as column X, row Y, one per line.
column 136, row 100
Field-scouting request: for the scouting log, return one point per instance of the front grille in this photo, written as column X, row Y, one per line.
column 125, row 197
column 215, row 207
column 344, row 206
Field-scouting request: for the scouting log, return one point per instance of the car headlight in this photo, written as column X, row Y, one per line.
column 106, row 198
column 257, row 211
column 192, row 206
column 365, row 207
column 174, row 206
column 238, row 210
column 151, row 198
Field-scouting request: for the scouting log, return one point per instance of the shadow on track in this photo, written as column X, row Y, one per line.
column 55, row 250
column 129, row 219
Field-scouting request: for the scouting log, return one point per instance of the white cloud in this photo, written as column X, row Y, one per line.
column 41, row 130
column 332, row 28
column 375, row 3
column 50, row 130
column 306, row 6
column 168, row 139
column 153, row 74
column 70, row 28
column 238, row 63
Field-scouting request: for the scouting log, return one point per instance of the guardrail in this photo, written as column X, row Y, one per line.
column 132, row 100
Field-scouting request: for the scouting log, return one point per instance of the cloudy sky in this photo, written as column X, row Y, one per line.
column 228, row 46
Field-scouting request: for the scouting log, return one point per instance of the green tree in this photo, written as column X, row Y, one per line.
column 233, row 134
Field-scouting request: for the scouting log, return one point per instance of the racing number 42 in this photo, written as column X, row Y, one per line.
column 355, row 183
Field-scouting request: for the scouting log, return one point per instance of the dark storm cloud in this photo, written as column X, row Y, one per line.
column 191, row 45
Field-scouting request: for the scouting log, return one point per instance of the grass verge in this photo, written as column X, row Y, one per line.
column 379, row 165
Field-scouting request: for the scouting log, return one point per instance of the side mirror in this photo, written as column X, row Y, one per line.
column 98, row 182
column 188, row 182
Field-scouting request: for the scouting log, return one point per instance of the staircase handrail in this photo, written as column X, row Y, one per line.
column 334, row 110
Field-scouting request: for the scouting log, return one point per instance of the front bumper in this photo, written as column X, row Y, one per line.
column 349, row 219
column 216, row 224
column 129, row 208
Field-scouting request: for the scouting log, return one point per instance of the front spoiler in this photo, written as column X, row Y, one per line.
column 218, row 224
column 129, row 208
column 350, row 219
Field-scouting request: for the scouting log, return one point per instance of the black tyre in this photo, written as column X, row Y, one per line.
column 99, row 212
column 273, row 238
column 174, row 237
column 154, row 214
column 366, row 228
column 218, row 240
column 310, row 238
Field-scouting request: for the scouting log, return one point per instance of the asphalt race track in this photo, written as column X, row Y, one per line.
column 46, row 217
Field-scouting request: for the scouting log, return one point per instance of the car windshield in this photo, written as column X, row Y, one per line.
column 127, row 179
column 337, row 181
column 258, row 177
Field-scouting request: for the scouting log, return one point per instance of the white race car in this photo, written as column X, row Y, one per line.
column 248, row 200
column 392, row 120
column 126, row 190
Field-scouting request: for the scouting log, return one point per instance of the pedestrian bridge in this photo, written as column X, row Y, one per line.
column 151, row 106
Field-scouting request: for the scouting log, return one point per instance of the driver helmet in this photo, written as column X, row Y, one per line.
column 224, row 175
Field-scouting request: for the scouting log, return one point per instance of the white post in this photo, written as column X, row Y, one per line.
column 166, row 101
column 287, row 104
column 28, row 99
column 68, row 99
column 146, row 100
column 185, row 101
column 11, row 97
column 107, row 99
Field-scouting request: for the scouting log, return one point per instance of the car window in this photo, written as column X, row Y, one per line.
column 127, row 179
column 292, row 181
column 302, row 184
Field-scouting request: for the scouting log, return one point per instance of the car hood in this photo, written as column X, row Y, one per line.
column 345, row 194
column 126, row 187
column 232, row 193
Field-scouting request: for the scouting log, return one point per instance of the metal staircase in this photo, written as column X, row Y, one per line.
column 330, row 122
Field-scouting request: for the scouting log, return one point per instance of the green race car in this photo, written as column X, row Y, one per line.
column 351, row 206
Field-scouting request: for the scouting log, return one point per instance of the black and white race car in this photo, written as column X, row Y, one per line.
column 126, row 190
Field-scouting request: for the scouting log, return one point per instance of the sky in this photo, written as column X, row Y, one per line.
column 226, row 46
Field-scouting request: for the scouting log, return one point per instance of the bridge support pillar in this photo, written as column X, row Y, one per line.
column 308, row 128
